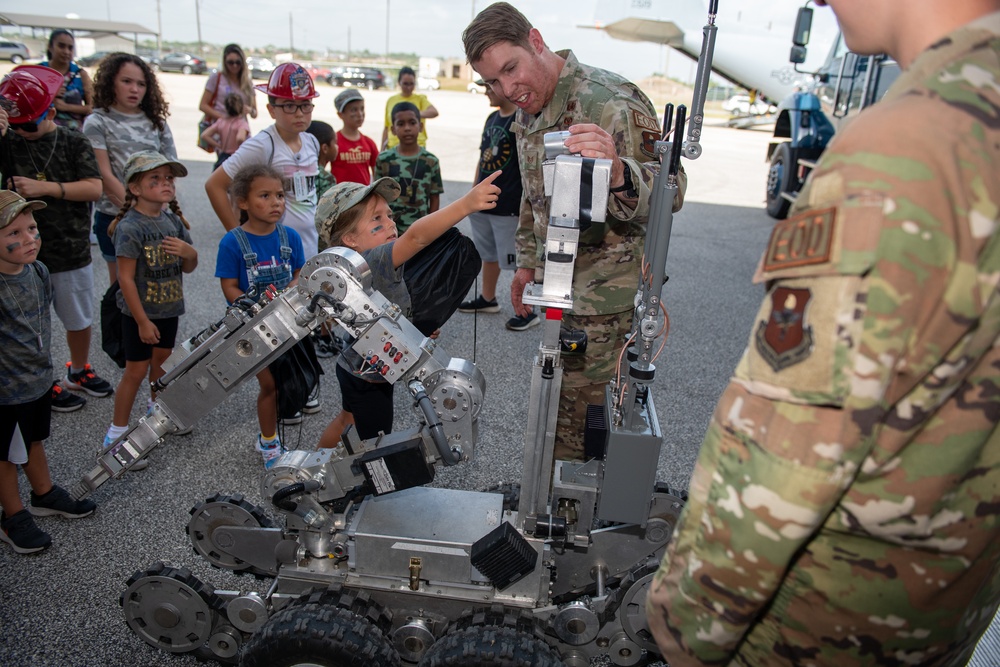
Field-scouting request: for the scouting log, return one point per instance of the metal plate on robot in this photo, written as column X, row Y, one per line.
column 563, row 180
column 253, row 346
column 438, row 526
column 389, row 346
column 331, row 261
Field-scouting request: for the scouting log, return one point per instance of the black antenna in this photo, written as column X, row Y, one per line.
column 668, row 119
column 677, row 144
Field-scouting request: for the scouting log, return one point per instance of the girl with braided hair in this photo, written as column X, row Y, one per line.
column 153, row 248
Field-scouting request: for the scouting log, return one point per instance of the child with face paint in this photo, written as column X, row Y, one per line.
column 25, row 397
column 153, row 248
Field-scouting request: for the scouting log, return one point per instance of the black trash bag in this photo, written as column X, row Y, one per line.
column 296, row 376
column 439, row 277
column 111, row 326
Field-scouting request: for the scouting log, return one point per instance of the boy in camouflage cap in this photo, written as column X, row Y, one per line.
column 845, row 507
column 25, row 381
column 358, row 217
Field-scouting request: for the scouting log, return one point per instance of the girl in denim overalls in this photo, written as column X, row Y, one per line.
column 258, row 253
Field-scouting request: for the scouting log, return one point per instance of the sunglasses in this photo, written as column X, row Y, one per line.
column 29, row 127
column 233, row 62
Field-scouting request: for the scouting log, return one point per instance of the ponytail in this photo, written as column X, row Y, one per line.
column 175, row 208
column 129, row 198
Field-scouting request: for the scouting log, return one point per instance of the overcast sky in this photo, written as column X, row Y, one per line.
column 426, row 27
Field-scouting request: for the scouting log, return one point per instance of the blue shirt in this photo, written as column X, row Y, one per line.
column 229, row 262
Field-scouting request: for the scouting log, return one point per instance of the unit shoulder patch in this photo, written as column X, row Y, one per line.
column 643, row 121
column 785, row 338
column 800, row 241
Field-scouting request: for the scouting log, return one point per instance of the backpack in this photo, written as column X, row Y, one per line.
column 111, row 326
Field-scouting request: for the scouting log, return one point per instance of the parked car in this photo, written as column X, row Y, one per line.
column 16, row 52
column 184, row 63
column 475, row 87
column 428, row 83
column 362, row 77
column 740, row 105
column 317, row 73
column 260, row 68
column 93, row 59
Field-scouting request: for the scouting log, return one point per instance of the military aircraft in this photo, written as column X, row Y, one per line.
column 753, row 40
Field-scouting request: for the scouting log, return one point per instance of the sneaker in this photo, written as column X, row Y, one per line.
column 21, row 533
column 327, row 347
column 141, row 464
column 269, row 454
column 58, row 502
column 64, row 401
column 312, row 405
column 519, row 323
column 87, row 380
column 479, row 305
column 291, row 421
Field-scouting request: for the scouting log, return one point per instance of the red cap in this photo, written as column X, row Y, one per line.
column 289, row 81
column 32, row 89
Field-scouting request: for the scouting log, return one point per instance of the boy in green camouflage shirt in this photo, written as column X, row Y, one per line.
column 416, row 169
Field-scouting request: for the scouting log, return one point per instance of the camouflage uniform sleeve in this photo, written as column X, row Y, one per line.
column 525, row 243
column 801, row 415
column 635, row 131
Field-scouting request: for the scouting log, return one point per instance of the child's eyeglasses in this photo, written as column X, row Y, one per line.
column 292, row 108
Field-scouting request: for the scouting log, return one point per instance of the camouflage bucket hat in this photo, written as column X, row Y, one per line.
column 13, row 204
column 344, row 196
column 143, row 161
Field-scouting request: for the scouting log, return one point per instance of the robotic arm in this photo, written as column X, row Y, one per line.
column 336, row 284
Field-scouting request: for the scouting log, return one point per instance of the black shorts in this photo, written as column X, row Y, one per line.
column 135, row 349
column 369, row 402
column 33, row 418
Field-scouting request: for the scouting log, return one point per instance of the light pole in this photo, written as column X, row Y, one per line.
column 197, row 17
column 386, row 31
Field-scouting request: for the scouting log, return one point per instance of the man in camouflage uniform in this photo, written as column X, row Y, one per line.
column 609, row 117
column 845, row 507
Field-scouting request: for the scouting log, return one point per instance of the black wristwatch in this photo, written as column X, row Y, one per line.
column 627, row 187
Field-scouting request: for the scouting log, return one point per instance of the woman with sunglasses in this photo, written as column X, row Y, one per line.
column 232, row 77
column 75, row 100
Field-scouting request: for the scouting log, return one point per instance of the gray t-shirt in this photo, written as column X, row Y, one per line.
column 158, row 275
column 26, row 335
column 388, row 280
column 121, row 134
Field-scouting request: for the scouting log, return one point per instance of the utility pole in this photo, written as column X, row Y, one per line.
column 386, row 31
column 291, row 42
column 197, row 17
column 159, row 31
column 348, row 43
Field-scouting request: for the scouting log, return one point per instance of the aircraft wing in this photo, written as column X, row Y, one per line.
column 644, row 30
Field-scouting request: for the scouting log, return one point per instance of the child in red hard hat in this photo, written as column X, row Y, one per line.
column 287, row 147
column 56, row 165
